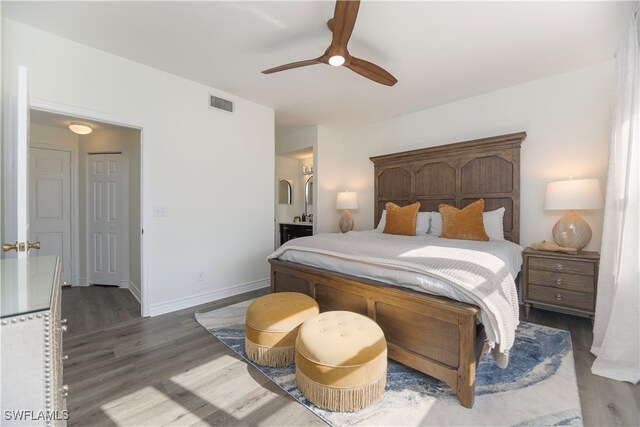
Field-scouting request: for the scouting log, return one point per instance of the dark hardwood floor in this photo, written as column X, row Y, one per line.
column 167, row 370
column 94, row 307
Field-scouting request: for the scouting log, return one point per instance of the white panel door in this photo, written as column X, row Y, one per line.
column 50, row 204
column 105, row 217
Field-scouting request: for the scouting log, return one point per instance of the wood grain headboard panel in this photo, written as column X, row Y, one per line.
column 455, row 174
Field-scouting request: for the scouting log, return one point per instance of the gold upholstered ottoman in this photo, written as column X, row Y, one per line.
column 272, row 324
column 341, row 361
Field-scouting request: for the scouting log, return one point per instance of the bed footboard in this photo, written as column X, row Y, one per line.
column 434, row 335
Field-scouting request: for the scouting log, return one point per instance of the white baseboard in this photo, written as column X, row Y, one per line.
column 83, row 281
column 133, row 288
column 179, row 304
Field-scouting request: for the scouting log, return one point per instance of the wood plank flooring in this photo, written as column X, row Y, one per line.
column 167, row 370
column 93, row 307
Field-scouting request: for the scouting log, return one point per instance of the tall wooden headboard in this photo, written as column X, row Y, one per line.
column 455, row 174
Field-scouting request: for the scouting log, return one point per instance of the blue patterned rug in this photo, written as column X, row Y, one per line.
column 537, row 389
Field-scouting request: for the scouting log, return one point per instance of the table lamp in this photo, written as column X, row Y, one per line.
column 571, row 231
column 346, row 200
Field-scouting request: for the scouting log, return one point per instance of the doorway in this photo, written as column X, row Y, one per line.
column 105, row 228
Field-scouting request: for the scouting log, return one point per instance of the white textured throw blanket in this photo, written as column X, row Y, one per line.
column 482, row 278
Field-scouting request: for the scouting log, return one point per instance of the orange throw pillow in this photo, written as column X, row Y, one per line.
column 401, row 220
column 465, row 224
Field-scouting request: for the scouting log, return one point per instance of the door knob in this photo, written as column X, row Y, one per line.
column 35, row 245
column 7, row 247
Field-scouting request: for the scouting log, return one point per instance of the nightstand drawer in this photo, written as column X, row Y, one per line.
column 561, row 265
column 574, row 282
column 562, row 297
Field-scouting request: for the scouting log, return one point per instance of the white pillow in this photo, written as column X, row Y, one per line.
column 436, row 224
column 383, row 221
column 422, row 222
column 492, row 224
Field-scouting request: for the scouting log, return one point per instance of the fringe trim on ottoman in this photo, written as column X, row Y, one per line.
column 274, row 357
column 340, row 399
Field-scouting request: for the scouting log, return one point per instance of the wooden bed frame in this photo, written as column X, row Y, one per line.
column 435, row 335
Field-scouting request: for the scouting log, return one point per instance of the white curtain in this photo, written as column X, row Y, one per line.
column 616, row 333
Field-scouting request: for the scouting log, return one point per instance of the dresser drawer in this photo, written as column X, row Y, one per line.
column 554, row 279
column 562, row 297
column 562, row 266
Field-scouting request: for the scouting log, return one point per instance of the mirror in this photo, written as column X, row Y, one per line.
column 285, row 192
column 308, row 193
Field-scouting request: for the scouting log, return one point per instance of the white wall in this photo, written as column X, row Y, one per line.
column 296, row 141
column 566, row 118
column 196, row 163
column 329, row 179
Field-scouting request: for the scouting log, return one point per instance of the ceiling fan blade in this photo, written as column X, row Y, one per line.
column 294, row 65
column 344, row 19
column 370, row 71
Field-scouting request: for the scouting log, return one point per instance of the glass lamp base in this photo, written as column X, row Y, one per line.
column 571, row 231
column 346, row 222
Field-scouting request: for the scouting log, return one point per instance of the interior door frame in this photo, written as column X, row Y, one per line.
column 82, row 113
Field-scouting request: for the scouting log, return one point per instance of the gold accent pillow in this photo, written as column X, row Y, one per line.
column 463, row 224
column 401, row 220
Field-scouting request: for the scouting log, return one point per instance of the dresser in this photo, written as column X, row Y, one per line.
column 292, row 230
column 560, row 282
column 31, row 330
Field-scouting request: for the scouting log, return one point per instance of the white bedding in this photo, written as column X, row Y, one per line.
column 427, row 264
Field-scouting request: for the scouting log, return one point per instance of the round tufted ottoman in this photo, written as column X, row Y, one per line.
column 272, row 324
column 341, row 361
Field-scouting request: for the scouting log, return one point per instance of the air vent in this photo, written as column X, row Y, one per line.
column 221, row 104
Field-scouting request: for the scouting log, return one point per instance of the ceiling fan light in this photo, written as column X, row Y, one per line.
column 336, row 60
column 80, row 129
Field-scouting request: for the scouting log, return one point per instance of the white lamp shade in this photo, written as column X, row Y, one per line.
column 347, row 200
column 573, row 195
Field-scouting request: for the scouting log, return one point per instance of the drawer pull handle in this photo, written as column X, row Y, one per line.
column 559, row 297
column 65, row 357
column 559, row 281
column 559, row 267
column 63, row 321
column 64, row 328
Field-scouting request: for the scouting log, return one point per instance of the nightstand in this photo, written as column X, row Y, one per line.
column 560, row 282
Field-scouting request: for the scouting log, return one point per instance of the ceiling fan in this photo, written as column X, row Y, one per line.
column 344, row 18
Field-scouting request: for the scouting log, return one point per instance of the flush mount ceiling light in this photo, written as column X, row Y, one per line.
column 80, row 128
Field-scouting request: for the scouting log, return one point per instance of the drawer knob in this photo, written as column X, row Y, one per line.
column 64, row 328
column 65, row 387
column 559, row 267
column 65, row 357
column 63, row 321
column 559, row 281
column 559, row 297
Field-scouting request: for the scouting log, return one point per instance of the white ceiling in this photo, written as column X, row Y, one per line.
column 61, row 121
column 440, row 52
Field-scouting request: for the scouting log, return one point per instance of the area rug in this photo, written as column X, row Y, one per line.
column 538, row 388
